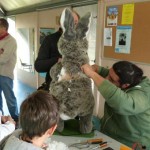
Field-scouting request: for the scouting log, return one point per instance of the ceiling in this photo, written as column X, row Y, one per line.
column 13, row 7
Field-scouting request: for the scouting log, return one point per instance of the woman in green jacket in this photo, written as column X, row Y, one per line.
column 127, row 102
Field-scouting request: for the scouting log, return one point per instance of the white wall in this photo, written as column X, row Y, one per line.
column 27, row 20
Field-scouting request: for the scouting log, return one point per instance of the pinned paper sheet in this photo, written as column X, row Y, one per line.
column 123, row 39
column 112, row 16
column 108, row 37
column 127, row 14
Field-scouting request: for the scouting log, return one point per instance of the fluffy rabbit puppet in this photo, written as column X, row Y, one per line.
column 69, row 84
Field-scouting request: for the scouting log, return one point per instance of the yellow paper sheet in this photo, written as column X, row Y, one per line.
column 127, row 14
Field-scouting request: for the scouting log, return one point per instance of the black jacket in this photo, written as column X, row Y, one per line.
column 48, row 54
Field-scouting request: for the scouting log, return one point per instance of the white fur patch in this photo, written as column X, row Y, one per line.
column 62, row 73
column 64, row 117
column 62, row 20
column 69, row 89
column 54, row 145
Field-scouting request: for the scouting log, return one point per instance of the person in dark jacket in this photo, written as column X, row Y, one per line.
column 48, row 53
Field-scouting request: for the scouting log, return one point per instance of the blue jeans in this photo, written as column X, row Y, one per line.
column 6, row 86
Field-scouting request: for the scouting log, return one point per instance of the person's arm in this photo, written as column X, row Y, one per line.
column 92, row 72
column 128, row 102
column 100, row 70
column 45, row 60
column 9, row 48
column 125, row 102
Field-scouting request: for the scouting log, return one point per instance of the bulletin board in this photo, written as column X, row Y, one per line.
column 140, row 36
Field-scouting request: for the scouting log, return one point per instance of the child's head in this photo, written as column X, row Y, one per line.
column 38, row 113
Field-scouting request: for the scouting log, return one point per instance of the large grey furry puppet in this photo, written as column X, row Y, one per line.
column 69, row 84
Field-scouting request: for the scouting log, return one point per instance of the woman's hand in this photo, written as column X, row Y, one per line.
column 92, row 72
column 88, row 70
column 95, row 67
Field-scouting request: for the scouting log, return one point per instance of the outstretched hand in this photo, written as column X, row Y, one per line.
column 92, row 72
column 87, row 69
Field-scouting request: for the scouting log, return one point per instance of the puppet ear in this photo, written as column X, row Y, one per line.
column 84, row 26
column 67, row 24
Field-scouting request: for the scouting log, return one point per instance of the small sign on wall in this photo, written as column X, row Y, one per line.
column 58, row 20
column 44, row 32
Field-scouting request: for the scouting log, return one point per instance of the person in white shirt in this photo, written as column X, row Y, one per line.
column 7, row 125
column 8, row 58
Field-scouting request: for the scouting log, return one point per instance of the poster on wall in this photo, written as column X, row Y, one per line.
column 112, row 16
column 123, row 39
column 108, row 37
column 127, row 14
column 44, row 32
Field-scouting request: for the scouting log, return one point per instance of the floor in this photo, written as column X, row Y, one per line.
column 21, row 91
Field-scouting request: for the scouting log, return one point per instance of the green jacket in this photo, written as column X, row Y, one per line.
column 126, row 113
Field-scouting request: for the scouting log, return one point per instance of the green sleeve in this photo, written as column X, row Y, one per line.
column 103, row 71
column 129, row 102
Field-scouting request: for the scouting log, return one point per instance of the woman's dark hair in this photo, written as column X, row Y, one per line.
column 128, row 73
column 38, row 113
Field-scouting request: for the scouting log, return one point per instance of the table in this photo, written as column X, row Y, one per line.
column 68, row 140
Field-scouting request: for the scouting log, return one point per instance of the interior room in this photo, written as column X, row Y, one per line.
column 111, row 22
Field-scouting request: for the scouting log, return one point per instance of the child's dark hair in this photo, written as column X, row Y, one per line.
column 128, row 73
column 38, row 113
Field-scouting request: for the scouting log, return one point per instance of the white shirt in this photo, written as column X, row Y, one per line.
column 6, row 128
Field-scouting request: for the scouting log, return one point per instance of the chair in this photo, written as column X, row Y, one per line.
column 26, row 66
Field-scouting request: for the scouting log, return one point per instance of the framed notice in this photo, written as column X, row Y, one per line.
column 44, row 32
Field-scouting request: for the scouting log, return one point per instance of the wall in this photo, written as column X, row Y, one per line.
column 28, row 20
column 105, row 61
column 36, row 20
column 99, row 44
column 47, row 19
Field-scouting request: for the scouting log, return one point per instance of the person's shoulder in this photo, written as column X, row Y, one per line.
column 53, row 36
column 11, row 38
column 14, row 142
column 145, row 81
column 57, row 33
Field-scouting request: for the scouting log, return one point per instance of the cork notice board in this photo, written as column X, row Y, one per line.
column 140, row 36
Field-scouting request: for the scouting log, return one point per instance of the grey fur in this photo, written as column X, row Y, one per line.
column 73, row 89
